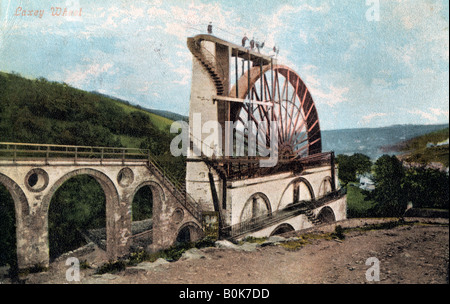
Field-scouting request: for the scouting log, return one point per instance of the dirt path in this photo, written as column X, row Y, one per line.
column 406, row 254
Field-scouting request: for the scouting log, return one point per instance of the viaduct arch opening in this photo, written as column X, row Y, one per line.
column 76, row 215
column 8, row 241
column 283, row 228
column 145, row 199
column 189, row 232
column 111, row 203
column 326, row 215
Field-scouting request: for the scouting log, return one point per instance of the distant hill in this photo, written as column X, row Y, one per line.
column 426, row 149
column 373, row 142
column 167, row 114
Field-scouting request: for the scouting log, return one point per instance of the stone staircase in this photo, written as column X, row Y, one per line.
column 311, row 217
column 196, row 50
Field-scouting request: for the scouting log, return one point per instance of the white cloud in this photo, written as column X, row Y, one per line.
column 155, row 11
column 439, row 112
column 321, row 91
column 429, row 116
column 330, row 96
column 369, row 117
column 184, row 73
column 84, row 74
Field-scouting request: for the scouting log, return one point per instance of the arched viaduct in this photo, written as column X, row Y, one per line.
column 32, row 185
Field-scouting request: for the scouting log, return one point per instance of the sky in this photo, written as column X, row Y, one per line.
column 366, row 63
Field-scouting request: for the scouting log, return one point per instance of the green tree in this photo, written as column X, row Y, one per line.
column 427, row 188
column 389, row 195
column 349, row 166
column 346, row 169
column 7, row 229
column 142, row 206
column 362, row 163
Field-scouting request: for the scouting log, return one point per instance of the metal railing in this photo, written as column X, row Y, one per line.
column 176, row 187
column 27, row 151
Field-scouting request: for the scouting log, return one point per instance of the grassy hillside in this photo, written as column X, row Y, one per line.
column 40, row 111
column 162, row 123
column 155, row 115
column 423, row 149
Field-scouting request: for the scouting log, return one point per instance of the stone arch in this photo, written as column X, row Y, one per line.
column 257, row 204
column 325, row 186
column 20, row 200
column 147, row 224
column 156, row 188
column 19, row 207
column 188, row 232
column 288, row 197
column 283, row 228
column 112, row 205
column 326, row 215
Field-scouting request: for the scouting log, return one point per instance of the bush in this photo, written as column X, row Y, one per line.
column 338, row 232
column 112, row 267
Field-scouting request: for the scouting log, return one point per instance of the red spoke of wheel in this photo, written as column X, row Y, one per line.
column 306, row 146
column 300, row 112
column 286, row 107
column 309, row 136
column 261, row 111
column 280, row 118
column 252, row 117
column 268, row 94
column 245, row 136
column 292, row 102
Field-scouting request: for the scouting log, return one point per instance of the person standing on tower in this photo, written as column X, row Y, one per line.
column 210, row 28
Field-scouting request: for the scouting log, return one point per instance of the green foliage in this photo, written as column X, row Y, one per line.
column 431, row 154
column 207, row 241
column 7, row 229
column 137, row 257
column 358, row 204
column 427, row 188
column 142, row 205
column 252, row 239
column 395, row 186
column 40, row 111
column 172, row 253
column 37, row 268
column 421, row 141
column 389, row 196
column 338, row 232
column 305, row 239
column 79, row 204
column 112, row 267
column 350, row 166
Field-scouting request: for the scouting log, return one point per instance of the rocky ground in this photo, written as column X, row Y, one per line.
column 416, row 253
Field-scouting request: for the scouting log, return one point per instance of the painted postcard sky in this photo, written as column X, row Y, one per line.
column 364, row 67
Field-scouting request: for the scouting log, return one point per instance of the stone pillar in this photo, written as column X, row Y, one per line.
column 201, row 110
